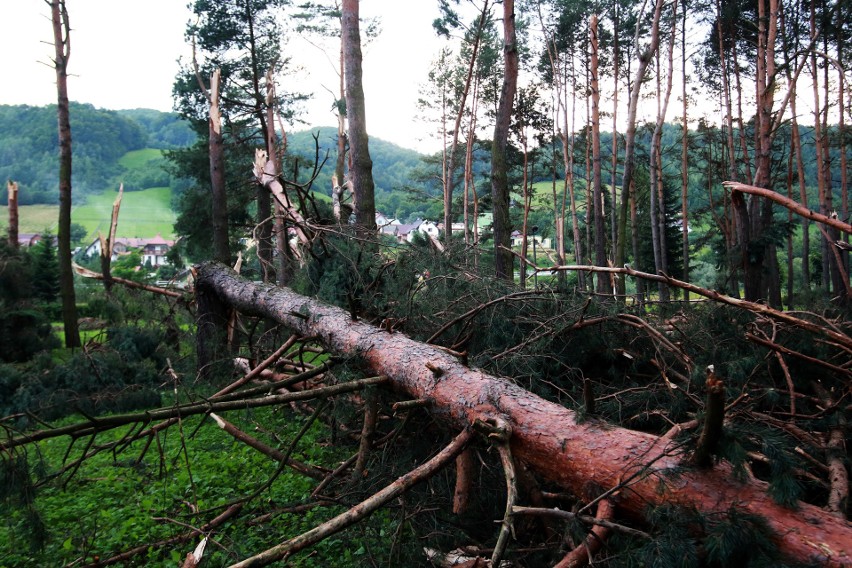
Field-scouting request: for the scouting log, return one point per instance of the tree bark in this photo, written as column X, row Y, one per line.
column 219, row 201
column 108, row 243
column 62, row 45
column 559, row 447
column 449, row 182
column 644, row 57
column 361, row 172
column 502, row 226
column 12, row 186
column 597, row 191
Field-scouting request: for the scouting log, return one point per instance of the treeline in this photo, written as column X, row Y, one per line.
column 29, row 146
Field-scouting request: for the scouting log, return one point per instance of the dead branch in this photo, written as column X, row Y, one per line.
column 838, row 477
column 714, row 416
column 464, row 481
column 364, row 508
column 840, row 338
column 787, row 351
column 86, row 273
column 94, row 425
column 303, row 468
column 499, row 434
column 789, row 204
column 568, row 515
column 272, row 359
column 582, row 555
column 371, row 409
column 264, row 173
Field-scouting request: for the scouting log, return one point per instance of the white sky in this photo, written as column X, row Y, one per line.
column 124, row 55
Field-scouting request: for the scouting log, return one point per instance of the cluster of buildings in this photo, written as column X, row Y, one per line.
column 153, row 250
column 404, row 232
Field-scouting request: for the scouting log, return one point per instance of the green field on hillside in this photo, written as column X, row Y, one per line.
column 143, row 214
column 139, row 158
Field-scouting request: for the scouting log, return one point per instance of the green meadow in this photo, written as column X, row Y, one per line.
column 142, row 214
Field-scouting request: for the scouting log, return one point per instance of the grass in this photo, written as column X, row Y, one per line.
column 114, row 503
column 139, row 158
column 32, row 218
column 142, row 214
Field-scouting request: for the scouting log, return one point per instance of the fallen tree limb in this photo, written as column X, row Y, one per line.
column 86, row 273
column 94, row 425
column 548, row 437
column 754, row 307
column 364, row 508
column 251, row 441
column 583, row 554
column 793, row 206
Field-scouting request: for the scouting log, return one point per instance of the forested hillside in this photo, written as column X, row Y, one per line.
column 101, row 137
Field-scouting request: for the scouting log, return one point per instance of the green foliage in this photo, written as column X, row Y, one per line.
column 23, row 333
column 684, row 538
column 100, row 138
column 45, row 269
column 117, row 497
column 122, row 374
column 127, row 266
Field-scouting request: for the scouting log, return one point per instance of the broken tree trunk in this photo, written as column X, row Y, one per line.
column 550, row 438
column 12, row 186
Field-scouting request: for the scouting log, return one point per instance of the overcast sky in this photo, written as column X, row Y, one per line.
column 124, row 55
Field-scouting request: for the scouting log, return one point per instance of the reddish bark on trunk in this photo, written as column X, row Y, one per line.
column 548, row 437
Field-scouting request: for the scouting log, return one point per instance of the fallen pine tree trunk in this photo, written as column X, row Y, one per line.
column 545, row 435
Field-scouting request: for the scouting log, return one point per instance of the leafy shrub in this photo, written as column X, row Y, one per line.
column 23, row 333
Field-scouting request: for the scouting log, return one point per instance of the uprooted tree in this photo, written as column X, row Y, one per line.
column 628, row 470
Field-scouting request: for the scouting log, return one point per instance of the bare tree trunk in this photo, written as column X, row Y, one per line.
column 644, row 55
column 265, row 245
column 62, row 45
column 502, row 227
column 597, row 191
column 108, row 243
column 468, row 165
column 637, row 465
column 658, row 202
column 841, row 128
column 796, row 148
column 216, row 155
column 361, row 173
column 559, row 73
column 754, row 217
column 449, row 183
column 684, row 158
column 219, row 201
column 12, row 186
column 613, row 207
column 340, row 163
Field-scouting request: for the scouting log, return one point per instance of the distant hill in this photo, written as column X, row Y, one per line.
column 100, row 138
column 114, row 146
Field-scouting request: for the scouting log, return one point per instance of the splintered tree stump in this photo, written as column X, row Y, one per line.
column 549, row 438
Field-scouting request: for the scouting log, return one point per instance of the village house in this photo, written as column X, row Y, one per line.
column 405, row 232
column 28, row 239
column 153, row 250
